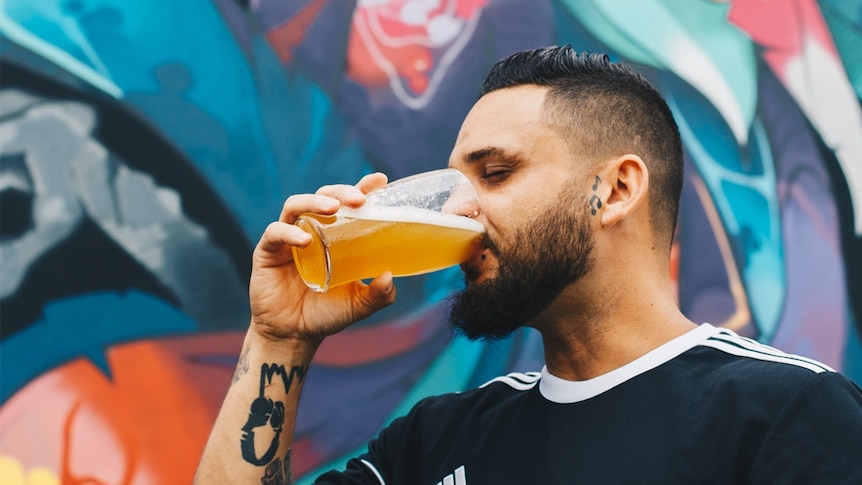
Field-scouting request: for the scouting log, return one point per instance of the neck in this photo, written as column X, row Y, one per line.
column 601, row 323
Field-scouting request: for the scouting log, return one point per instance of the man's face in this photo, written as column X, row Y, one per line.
column 537, row 219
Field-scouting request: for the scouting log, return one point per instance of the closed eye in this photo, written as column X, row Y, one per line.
column 494, row 165
column 496, row 175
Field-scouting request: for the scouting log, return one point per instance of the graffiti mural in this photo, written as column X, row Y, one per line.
column 144, row 146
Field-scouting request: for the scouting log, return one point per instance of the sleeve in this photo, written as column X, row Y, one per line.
column 817, row 436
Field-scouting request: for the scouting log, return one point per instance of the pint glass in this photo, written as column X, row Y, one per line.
column 411, row 226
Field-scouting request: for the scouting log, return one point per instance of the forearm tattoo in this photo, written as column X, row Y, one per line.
column 278, row 472
column 264, row 411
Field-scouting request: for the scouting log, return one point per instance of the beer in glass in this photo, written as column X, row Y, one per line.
column 420, row 226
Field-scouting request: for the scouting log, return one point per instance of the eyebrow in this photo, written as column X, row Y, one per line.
column 484, row 154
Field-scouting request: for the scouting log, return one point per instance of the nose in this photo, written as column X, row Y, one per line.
column 463, row 206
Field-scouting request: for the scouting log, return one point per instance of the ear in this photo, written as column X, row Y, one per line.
column 624, row 187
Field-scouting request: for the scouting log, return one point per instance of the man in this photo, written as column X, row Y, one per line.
column 578, row 167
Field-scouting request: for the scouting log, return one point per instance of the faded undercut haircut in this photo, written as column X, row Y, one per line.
column 604, row 110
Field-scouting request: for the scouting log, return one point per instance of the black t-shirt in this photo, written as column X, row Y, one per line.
column 707, row 407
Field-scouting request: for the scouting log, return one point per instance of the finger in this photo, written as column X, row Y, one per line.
column 348, row 195
column 372, row 181
column 354, row 195
column 299, row 204
column 279, row 235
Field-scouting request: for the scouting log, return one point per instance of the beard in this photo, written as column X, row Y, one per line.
column 540, row 260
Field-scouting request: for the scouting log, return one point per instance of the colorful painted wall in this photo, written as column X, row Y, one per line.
column 144, row 146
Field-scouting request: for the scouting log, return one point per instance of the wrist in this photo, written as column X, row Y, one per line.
column 300, row 350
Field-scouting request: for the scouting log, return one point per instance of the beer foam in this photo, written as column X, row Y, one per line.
column 412, row 214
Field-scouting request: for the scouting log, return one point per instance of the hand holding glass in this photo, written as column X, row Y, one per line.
column 411, row 226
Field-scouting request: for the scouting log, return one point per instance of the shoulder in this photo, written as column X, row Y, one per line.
column 495, row 393
column 816, row 436
column 731, row 357
column 763, row 388
column 465, row 407
column 739, row 373
column 732, row 344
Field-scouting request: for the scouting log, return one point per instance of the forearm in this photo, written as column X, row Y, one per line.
column 252, row 435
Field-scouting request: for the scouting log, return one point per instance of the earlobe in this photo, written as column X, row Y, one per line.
column 625, row 186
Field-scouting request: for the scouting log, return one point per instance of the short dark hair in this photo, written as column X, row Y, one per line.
column 604, row 109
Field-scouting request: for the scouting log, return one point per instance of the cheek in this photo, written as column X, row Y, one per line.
column 505, row 218
column 504, row 238
column 501, row 217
